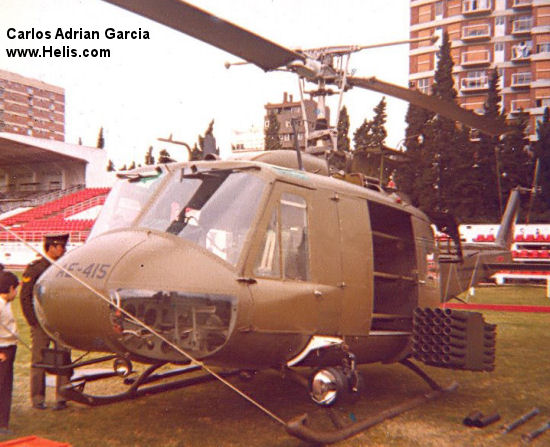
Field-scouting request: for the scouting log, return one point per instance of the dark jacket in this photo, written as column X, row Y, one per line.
column 30, row 276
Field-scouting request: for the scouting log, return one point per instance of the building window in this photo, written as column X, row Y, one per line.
column 423, row 85
column 543, row 102
column 499, row 46
column 522, row 50
column 500, row 20
column 543, row 47
column 522, row 24
column 475, row 80
column 475, row 5
column 521, row 79
column 439, row 10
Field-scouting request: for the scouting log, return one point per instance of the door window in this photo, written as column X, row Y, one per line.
column 285, row 247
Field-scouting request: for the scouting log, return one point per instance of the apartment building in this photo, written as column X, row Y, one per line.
column 31, row 107
column 512, row 36
column 289, row 109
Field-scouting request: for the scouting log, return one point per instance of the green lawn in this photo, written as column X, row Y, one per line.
column 213, row 415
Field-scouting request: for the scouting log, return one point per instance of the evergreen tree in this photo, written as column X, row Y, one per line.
column 124, row 168
column 80, row 141
column 542, row 153
column 441, row 138
column 100, row 139
column 208, row 135
column 486, row 183
column 369, row 144
column 164, row 157
column 377, row 131
column 409, row 174
column 338, row 160
column 111, row 166
column 149, row 158
column 343, row 142
column 271, row 133
column 132, row 165
column 515, row 163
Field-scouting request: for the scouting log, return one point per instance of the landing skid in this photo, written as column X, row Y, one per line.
column 298, row 426
column 142, row 386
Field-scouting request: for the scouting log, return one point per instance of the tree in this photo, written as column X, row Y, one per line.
column 100, row 139
column 369, row 143
column 515, row 162
column 343, row 141
column 164, row 157
column 542, row 153
column 149, row 158
column 338, row 160
column 271, row 133
column 409, row 174
column 111, row 166
column 132, row 165
column 207, row 143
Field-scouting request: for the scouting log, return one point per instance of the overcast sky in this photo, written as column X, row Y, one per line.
column 172, row 83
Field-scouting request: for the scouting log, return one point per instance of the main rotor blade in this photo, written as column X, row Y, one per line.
column 204, row 26
column 448, row 109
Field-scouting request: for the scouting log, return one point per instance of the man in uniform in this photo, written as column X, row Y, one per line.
column 54, row 248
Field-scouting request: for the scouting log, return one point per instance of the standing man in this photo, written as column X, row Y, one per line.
column 8, row 345
column 54, row 247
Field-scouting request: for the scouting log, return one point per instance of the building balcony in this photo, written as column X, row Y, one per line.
column 522, row 4
column 519, row 105
column 522, row 26
column 522, row 51
column 475, row 58
column 474, row 7
column 476, row 32
column 474, row 84
column 521, row 80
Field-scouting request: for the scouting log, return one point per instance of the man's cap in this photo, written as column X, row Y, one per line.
column 56, row 239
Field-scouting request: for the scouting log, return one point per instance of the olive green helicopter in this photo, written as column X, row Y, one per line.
column 269, row 261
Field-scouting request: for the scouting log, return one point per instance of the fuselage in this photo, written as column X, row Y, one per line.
column 241, row 263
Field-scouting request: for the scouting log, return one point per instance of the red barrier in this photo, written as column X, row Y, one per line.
column 497, row 307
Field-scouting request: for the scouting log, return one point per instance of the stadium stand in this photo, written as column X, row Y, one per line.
column 46, row 187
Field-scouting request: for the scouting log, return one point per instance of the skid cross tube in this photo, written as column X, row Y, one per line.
column 142, row 386
column 298, row 428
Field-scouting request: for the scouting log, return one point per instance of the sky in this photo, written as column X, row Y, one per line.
column 174, row 84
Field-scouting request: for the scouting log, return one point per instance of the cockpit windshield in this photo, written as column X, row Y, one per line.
column 127, row 200
column 213, row 209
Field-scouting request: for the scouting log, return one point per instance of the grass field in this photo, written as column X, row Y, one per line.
column 213, row 415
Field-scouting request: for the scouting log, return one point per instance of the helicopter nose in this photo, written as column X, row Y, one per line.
column 72, row 311
column 164, row 282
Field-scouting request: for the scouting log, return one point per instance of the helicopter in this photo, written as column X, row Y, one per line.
column 268, row 261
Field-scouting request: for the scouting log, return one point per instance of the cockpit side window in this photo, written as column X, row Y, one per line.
column 285, row 247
